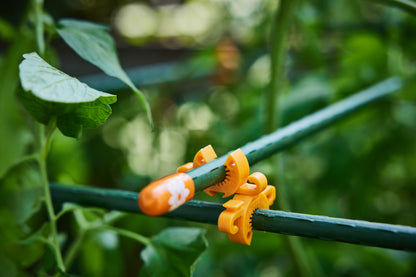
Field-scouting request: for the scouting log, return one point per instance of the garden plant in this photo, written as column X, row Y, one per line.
column 298, row 76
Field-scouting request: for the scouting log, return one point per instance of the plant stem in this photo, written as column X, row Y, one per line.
column 40, row 40
column 406, row 5
column 77, row 243
column 44, row 142
column 74, row 248
column 126, row 233
column 144, row 104
column 278, row 45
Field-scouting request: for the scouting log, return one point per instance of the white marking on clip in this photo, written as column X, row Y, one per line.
column 179, row 193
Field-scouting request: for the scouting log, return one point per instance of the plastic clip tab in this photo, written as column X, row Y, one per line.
column 166, row 194
column 236, row 219
column 237, row 170
column 203, row 156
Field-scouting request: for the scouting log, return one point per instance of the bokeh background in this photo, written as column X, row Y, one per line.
column 204, row 65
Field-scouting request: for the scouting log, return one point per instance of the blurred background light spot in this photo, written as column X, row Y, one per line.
column 243, row 8
column 136, row 20
column 111, row 130
column 196, row 116
column 259, row 72
column 136, row 139
column 195, row 18
column 166, row 27
column 225, row 103
column 108, row 239
column 172, row 147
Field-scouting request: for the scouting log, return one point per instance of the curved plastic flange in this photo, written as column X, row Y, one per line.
column 203, row 156
column 237, row 171
column 236, row 219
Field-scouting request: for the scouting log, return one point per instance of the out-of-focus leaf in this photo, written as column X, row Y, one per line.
column 173, row 252
column 364, row 59
column 40, row 235
column 51, row 93
column 306, row 96
column 21, row 190
column 7, row 31
column 15, row 255
column 93, row 43
column 99, row 261
column 7, row 267
column 14, row 135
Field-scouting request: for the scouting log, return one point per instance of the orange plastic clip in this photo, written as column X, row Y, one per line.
column 203, row 156
column 236, row 219
column 168, row 193
column 237, row 171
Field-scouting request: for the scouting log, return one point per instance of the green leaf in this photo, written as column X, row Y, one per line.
column 21, row 190
column 50, row 93
column 93, row 43
column 7, row 32
column 173, row 252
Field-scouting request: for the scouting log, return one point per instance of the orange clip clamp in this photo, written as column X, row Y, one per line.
column 236, row 219
column 170, row 192
column 203, row 156
column 237, row 170
column 166, row 194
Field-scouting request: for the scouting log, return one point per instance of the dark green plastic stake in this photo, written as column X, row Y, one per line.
column 313, row 226
column 214, row 172
column 327, row 228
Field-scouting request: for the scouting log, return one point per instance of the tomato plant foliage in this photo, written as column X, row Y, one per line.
column 52, row 94
column 57, row 100
column 173, row 252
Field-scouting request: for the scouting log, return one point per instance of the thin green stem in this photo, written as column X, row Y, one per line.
column 278, row 46
column 48, row 199
column 113, row 216
column 48, row 138
column 40, row 40
column 306, row 265
column 74, row 249
column 406, row 5
column 126, row 233
column 144, row 104
column 75, row 208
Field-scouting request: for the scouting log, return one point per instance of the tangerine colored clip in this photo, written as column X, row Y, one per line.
column 236, row 170
column 166, row 194
column 236, row 219
column 203, row 156
column 170, row 192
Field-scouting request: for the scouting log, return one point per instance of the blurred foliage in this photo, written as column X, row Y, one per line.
column 361, row 168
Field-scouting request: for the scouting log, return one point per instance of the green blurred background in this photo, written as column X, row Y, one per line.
column 214, row 93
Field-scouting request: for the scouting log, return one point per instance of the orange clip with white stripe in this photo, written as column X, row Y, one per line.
column 170, row 192
column 251, row 193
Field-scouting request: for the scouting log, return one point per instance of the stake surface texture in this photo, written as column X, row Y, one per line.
column 288, row 223
column 214, row 172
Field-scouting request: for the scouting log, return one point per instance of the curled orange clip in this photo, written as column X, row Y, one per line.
column 236, row 219
column 236, row 170
column 203, row 156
